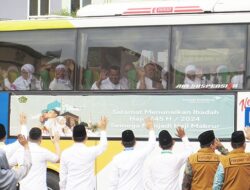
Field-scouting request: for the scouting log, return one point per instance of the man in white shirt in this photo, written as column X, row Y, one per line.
column 9, row 177
column 36, row 178
column 162, row 173
column 112, row 82
column 147, row 77
column 77, row 162
column 126, row 167
column 61, row 80
column 10, row 149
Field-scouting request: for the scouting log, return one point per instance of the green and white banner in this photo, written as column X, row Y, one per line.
column 196, row 113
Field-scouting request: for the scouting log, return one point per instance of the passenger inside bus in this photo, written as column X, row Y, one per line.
column 237, row 80
column 27, row 81
column 164, row 77
column 149, row 77
column 191, row 80
column 61, row 79
column 70, row 67
column 222, row 76
column 131, row 74
column 200, row 75
column 86, row 79
column 10, row 76
column 111, row 80
column 43, row 71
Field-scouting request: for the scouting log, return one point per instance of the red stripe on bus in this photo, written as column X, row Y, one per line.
column 137, row 12
column 188, row 10
column 181, row 7
column 162, row 10
column 139, row 8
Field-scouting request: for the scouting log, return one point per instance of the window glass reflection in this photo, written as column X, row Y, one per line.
column 30, row 60
column 124, row 58
column 209, row 57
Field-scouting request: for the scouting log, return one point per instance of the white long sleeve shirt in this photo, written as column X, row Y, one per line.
column 10, row 149
column 108, row 85
column 77, row 165
column 148, row 83
column 126, row 167
column 162, row 173
column 36, row 178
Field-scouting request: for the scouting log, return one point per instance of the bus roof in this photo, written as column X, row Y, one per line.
column 126, row 21
column 208, row 14
column 164, row 7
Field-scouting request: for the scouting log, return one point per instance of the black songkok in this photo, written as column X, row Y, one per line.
column 128, row 136
column 165, row 138
column 206, row 137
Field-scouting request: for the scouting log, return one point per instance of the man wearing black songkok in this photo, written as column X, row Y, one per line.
column 234, row 169
column 171, row 161
column 78, row 161
column 126, row 167
column 201, row 166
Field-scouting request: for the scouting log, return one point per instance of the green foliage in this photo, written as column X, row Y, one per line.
column 65, row 12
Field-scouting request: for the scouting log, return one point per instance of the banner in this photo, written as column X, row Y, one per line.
column 196, row 113
column 243, row 110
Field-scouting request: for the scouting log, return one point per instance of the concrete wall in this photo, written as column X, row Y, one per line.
column 13, row 9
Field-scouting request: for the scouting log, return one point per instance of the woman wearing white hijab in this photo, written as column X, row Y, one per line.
column 61, row 80
column 10, row 177
column 26, row 81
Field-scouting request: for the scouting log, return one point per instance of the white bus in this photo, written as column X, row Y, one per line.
column 184, row 63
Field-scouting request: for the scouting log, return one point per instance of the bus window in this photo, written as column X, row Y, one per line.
column 248, row 62
column 43, row 51
column 208, row 57
column 130, row 54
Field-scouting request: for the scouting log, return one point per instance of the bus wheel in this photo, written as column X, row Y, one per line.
column 52, row 181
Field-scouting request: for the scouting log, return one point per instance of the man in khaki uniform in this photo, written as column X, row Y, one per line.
column 201, row 166
column 234, row 169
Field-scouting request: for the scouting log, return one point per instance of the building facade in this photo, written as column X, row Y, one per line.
column 26, row 9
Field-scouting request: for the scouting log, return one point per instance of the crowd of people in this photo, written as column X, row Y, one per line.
column 219, row 79
column 204, row 169
column 129, row 76
column 39, row 77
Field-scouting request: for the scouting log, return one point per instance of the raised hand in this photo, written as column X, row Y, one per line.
column 102, row 124
column 22, row 140
column 149, row 123
column 180, row 132
column 141, row 73
column 103, row 75
column 217, row 143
